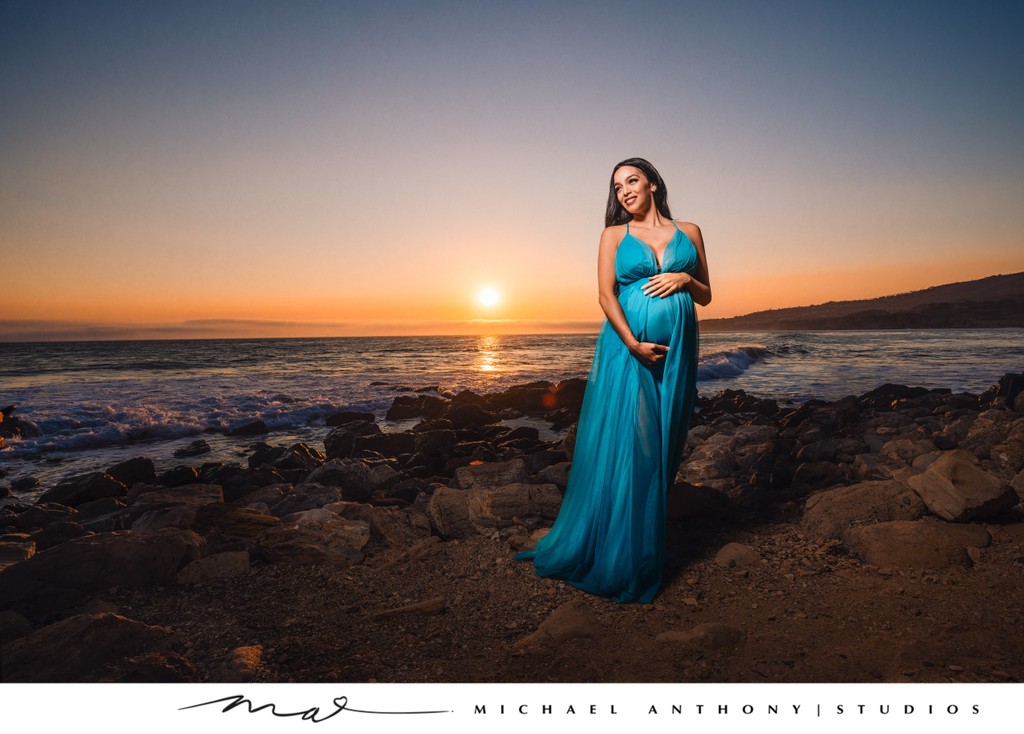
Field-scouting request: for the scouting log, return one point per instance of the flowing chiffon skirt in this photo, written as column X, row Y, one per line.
column 609, row 537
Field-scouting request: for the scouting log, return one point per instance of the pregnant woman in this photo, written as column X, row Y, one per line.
column 609, row 538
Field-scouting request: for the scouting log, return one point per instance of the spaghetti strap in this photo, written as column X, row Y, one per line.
column 627, row 227
column 676, row 225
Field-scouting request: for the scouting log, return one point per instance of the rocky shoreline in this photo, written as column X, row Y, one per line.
column 879, row 537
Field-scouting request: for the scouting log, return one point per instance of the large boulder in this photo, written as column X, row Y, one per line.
column 306, row 497
column 351, row 475
column 921, row 544
column 414, row 406
column 831, row 513
column 391, row 526
column 139, row 469
column 955, row 489
column 338, row 444
column 298, row 456
column 490, row 474
column 461, row 513
column 316, row 539
column 97, row 647
column 69, row 573
column 77, row 490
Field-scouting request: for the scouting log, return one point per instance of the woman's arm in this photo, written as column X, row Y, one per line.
column 699, row 284
column 646, row 352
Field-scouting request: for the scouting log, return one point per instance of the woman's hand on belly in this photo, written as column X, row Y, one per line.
column 665, row 284
column 649, row 353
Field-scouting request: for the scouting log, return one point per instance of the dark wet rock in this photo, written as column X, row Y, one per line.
column 435, row 443
column 351, row 475
column 344, row 417
column 529, row 398
column 1004, row 392
column 69, row 573
column 830, row 514
column 537, row 461
column 178, row 476
column 883, row 396
column 97, row 647
column 245, row 482
column 306, row 497
column 186, row 494
column 15, row 551
column 921, row 544
column 180, row 516
column 77, row 490
column 493, row 474
column 414, row 406
column 196, row 448
column 41, row 515
column 460, row 513
column 386, row 444
column 382, row 477
column 58, row 532
column 139, row 469
column 467, row 397
column 22, row 485
column 734, row 402
column 284, row 458
column 956, row 489
column 14, row 426
column 469, row 415
column 406, row 490
column 103, row 515
column 433, row 424
column 253, row 428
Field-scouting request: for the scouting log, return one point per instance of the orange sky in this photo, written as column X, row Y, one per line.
column 284, row 168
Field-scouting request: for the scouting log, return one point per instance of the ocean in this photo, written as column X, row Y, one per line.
column 98, row 403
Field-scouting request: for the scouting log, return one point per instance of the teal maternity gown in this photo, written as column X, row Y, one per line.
column 609, row 537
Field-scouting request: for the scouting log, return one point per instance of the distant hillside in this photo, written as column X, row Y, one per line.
column 995, row 301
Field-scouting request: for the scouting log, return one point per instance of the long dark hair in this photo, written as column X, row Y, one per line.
column 615, row 214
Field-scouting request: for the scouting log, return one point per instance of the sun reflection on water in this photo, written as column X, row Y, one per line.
column 487, row 354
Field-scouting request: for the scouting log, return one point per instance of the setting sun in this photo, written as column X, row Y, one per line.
column 488, row 296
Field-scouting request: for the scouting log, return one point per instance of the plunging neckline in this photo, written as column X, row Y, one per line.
column 659, row 263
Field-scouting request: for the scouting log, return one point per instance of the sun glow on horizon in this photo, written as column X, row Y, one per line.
column 488, row 296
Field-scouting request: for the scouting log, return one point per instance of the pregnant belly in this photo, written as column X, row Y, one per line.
column 654, row 319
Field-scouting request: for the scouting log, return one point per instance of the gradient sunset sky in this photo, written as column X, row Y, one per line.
column 217, row 168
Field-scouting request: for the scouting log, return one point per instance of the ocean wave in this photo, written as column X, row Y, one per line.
column 730, row 362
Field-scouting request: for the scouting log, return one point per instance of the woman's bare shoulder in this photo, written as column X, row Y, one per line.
column 691, row 230
column 613, row 233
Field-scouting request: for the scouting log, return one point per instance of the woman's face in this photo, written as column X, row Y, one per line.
column 633, row 189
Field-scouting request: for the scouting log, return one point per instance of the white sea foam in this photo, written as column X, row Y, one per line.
column 730, row 362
